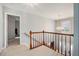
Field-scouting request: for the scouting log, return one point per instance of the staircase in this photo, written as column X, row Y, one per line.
column 59, row 42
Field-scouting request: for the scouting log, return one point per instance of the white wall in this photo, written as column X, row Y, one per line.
column 34, row 23
column 1, row 26
column 27, row 22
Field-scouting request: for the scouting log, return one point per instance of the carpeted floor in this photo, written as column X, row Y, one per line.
column 14, row 41
column 14, row 49
column 23, row 51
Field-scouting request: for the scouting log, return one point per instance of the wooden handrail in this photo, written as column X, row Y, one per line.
column 53, row 33
column 36, row 32
column 59, row 33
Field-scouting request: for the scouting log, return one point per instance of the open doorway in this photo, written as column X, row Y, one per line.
column 13, row 30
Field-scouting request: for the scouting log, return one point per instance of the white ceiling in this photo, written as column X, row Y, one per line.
column 48, row 10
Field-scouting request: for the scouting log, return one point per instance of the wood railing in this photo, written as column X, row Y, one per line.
column 33, row 41
column 59, row 42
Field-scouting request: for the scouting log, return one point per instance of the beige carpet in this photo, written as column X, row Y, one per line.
column 13, row 42
column 23, row 51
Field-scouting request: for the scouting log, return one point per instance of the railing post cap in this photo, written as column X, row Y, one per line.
column 30, row 31
column 43, row 30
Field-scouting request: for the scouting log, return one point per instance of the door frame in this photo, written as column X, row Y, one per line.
column 5, row 43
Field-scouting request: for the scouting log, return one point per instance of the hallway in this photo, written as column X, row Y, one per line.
column 13, row 42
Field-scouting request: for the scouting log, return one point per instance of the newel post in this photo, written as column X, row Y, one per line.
column 43, row 38
column 30, row 39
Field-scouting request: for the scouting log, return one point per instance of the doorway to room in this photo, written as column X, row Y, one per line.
column 13, row 30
